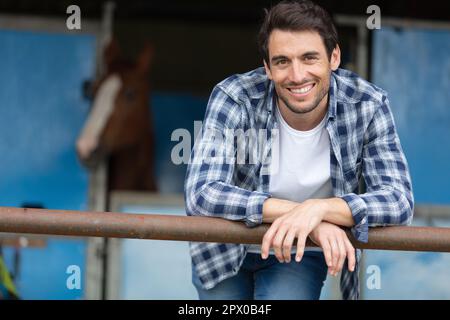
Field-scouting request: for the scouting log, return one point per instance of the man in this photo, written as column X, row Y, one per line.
column 325, row 128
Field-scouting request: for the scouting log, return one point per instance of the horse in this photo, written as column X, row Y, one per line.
column 119, row 125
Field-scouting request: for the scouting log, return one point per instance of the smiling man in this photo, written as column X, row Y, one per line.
column 326, row 127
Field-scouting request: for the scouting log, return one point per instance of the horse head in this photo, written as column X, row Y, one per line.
column 119, row 124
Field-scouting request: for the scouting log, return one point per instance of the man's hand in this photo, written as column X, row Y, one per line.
column 336, row 247
column 297, row 223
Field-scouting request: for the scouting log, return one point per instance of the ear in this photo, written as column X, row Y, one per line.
column 268, row 72
column 145, row 58
column 111, row 53
column 335, row 60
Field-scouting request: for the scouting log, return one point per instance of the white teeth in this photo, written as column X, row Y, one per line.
column 302, row 90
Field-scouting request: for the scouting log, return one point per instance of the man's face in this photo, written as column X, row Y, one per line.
column 300, row 69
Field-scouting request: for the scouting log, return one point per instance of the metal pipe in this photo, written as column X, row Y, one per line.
column 202, row 229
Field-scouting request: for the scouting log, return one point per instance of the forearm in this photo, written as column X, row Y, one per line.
column 222, row 200
column 334, row 210
column 337, row 211
column 274, row 208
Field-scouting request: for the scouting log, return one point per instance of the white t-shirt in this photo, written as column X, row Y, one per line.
column 300, row 167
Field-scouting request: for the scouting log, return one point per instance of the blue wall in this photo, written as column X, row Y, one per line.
column 413, row 65
column 41, row 114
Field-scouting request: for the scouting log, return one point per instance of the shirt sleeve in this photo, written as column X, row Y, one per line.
column 210, row 188
column 388, row 199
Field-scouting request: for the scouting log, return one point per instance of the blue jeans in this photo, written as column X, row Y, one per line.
column 269, row 279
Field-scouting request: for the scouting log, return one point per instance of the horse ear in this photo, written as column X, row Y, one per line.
column 112, row 53
column 145, row 58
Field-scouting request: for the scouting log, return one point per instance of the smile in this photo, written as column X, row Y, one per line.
column 302, row 91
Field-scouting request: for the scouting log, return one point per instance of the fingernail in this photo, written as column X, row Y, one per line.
column 297, row 258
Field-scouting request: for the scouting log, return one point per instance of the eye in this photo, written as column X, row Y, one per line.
column 310, row 58
column 281, row 62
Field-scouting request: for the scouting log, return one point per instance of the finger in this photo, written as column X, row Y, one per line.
column 287, row 245
column 332, row 265
column 334, row 255
column 301, row 240
column 267, row 239
column 351, row 255
column 327, row 253
column 342, row 254
column 278, row 242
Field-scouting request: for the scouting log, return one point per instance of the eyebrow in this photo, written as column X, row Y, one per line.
column 311, row 53
column 279, row 57
column 307, row 53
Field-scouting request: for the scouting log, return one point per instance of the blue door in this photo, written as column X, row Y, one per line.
column 413, row 66
column 41, row 113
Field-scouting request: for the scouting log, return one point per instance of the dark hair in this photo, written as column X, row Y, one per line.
column 297, row 16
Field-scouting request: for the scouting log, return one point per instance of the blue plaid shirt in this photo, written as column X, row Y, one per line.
column 363, row 141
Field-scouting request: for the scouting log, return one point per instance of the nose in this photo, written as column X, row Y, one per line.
column 297, row 72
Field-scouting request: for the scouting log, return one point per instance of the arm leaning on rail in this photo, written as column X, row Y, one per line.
column 209, row 187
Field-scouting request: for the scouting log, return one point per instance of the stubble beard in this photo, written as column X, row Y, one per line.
column 321, row 95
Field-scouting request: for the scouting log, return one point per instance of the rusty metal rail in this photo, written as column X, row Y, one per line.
column 203, row 229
